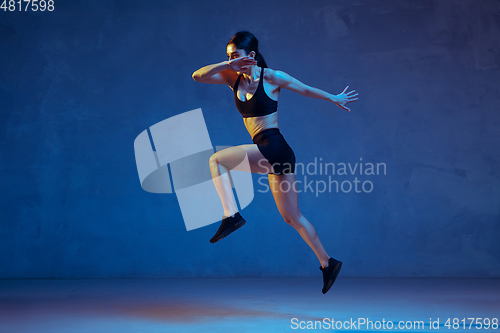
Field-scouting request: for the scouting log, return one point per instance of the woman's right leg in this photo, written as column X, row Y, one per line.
column 231, row 159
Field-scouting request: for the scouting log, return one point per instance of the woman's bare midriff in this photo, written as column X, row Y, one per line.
column 256, row 125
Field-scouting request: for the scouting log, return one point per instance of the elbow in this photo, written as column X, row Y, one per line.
column 306, row 92
column 197, row 77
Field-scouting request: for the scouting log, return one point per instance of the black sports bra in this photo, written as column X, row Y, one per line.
column 259, row 105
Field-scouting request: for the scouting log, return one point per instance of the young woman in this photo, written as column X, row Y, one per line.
column 256, row 94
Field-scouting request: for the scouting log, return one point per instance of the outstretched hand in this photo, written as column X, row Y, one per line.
column 343, row 98
column 241, row 63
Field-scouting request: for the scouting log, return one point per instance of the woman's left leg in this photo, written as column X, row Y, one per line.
column 285, row 194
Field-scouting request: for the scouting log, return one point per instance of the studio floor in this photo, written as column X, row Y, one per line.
column 248, row 305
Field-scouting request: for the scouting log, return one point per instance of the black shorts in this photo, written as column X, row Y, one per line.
column 276, row 150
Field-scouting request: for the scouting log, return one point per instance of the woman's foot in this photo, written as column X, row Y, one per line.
column 228, row 225
column 330, row 273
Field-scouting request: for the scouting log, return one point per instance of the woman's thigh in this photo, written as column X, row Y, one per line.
column 285, row 194
column 233, row 158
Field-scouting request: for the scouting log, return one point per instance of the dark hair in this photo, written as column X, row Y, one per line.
column 245, row 40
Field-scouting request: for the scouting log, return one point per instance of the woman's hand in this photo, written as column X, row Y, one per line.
column 343, row 98
column 242, row 63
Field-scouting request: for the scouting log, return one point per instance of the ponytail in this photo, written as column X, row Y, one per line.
column 260, row 60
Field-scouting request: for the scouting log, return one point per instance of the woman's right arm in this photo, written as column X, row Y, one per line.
column 219, row 73
column 212, row 73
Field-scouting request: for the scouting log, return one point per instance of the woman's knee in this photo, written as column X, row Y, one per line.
column 214, row 158
column 229, row 157
column 292, row 218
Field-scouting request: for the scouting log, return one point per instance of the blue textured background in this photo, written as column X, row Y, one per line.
column 78, row 85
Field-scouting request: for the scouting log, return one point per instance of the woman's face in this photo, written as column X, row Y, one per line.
column 234, row 53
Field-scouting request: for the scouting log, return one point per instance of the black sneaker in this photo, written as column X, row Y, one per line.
column 330, row 273
column 228, row 225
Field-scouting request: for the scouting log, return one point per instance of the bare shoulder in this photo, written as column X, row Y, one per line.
column 283, row 80
column 276, row 77
column 270, row 74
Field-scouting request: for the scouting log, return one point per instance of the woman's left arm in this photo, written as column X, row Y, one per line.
column 283, row 80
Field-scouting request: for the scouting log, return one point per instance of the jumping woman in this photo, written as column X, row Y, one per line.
column 256, row 94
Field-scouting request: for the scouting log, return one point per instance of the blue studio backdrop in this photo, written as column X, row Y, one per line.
column 79, row 83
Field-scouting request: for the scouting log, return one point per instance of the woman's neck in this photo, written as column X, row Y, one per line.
column 253, row 74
